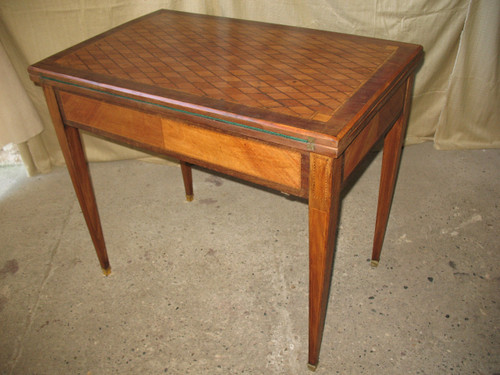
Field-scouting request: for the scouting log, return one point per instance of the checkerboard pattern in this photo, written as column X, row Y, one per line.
column 262, row 66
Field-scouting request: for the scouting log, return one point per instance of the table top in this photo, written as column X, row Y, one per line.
column 281, row 80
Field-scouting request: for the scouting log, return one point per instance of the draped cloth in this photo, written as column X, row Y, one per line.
column 455, row 99
column 19, row 120
column 13, row 96
column 471, row 114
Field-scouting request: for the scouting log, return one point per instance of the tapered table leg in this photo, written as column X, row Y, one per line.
column 393, row 145
column 71, row 145
column 187, row 176
column 325, row 180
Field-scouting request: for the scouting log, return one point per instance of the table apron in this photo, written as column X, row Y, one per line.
column 267, row 164
column 373, row 131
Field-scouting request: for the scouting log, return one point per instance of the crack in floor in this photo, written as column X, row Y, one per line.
column 32, row 312
column 285, row 345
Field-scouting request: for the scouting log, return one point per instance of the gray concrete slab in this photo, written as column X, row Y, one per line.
column 219, row 285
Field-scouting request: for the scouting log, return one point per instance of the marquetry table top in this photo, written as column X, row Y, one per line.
column 317, row 82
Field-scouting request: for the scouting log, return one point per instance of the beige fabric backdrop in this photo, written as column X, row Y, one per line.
column 467, row 120
column 29, row 123
column 456, row 90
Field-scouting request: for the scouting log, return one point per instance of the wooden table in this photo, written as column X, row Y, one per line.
column 288, row 108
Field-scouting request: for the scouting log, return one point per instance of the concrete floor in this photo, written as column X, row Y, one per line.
column 219, row 285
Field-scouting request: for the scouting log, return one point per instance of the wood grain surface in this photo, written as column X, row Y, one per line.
column 306, row 83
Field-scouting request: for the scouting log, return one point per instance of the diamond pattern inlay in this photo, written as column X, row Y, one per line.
column 266, row 67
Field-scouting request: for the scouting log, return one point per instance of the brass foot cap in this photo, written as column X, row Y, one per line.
column 189, row 198
column 312, row 367
column 374, row 263
column 106, row 271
